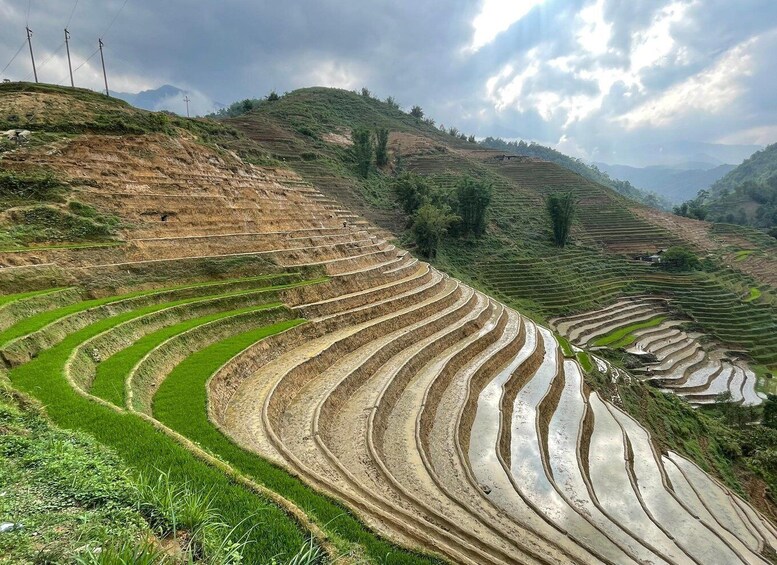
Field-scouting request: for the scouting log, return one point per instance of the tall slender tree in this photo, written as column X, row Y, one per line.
column 381, row 147
column 473, row 198
column 561, row 210
column 362, row 151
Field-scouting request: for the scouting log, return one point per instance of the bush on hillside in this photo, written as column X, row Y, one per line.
column 561, row 211
column 412, row 191
column 679, row 259
column 429, row 226
column 392, row 103
column 417, row 112
column 42, row 186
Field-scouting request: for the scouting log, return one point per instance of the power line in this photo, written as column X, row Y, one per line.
column 73, row 11
column 110, row 25
column 15, row 55
column 51, row 56
column 87, row 59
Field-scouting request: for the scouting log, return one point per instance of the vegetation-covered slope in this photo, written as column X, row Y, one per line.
column 254, row 335
column 591, row 172
column 746, row 196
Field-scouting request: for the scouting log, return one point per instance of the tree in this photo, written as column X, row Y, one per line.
column 392, row 103
column 417, row 112
column 679, row 259
column 769, row 418
column 561, row 210
column 474, row 198
column 412, row 192
column 273, row 96
column 362, row 150
column 381, row 147
column 429, row 226
column 471, row 139
column 366, row 93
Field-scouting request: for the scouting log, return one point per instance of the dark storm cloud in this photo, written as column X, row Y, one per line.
column 638, row 75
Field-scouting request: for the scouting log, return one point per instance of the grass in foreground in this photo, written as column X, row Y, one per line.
column 62, row 490
column 623, row 337
column 148, row 451
column 180, row 403
column 111, row 373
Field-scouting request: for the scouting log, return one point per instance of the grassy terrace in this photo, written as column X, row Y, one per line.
column 181, row 403
column 623, row 337
column 109, row 382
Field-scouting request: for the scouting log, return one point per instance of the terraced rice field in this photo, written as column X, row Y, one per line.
column 677, row 359
column 444, row 420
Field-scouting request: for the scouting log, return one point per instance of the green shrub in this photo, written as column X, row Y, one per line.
column 39, row 186
column 679, row 259
column 429, row 226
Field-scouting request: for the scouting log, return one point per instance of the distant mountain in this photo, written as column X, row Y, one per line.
column 170, row 98
column 676, row 184
column 676, row 154
column 155, row 99
column 577, row 166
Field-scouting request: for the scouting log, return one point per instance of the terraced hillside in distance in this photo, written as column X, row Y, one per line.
column 248, row 335
column 674, row 358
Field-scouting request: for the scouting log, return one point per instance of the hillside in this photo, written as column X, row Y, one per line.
column 758, row 168
column 747, row 195
column 590, row 172
column 310, row 392
column 676, row 184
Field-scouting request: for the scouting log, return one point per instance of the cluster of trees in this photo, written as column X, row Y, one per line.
column 693, row 208
column 243, row 106
column 418, row 113
column 433, row 212
column 679, row 259
column 370, row 147
column 561, row 211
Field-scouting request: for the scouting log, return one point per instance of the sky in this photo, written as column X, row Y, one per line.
column 621, row 81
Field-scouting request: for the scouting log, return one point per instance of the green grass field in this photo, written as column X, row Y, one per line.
column 623, row 337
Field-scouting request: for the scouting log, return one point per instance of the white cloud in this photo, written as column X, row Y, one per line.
column 595, row 33
column 711, row 91
column 336, row 74
column 497, row 16
column 655, row 43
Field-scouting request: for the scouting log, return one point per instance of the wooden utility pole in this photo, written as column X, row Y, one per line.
column 187, row 100
column 102, row 60
column 32, row 57
column 69, row 65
